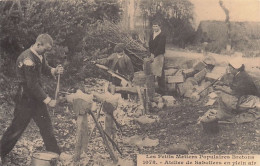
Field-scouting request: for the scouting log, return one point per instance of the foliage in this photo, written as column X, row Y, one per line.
column 109, row 34
column 244, row 36
column 176, row 16
column 66, row 21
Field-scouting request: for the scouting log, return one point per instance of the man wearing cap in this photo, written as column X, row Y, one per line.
column 239, row 93
column 157, row 44
column 119, row 62
column 31, row 100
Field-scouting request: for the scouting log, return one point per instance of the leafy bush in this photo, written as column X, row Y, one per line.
column 176, row 17
column 66, row 21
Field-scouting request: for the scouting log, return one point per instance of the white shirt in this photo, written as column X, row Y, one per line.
column 156, row 34
column 39, row 56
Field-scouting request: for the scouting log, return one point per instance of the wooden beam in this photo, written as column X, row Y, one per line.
column 82, row 137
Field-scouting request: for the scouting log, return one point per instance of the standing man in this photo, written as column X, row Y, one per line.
column 157, row 49
column 31, row 100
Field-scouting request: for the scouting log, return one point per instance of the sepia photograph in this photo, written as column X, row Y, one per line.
column 129, row 82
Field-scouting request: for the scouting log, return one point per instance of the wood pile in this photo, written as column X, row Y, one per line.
column 189, row 77
column 193, row 78
column 115, row 34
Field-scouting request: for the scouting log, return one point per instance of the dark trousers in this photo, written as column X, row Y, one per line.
column 161, row 83
column 26, row 109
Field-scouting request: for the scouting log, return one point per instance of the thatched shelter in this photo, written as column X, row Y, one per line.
column 244, row 35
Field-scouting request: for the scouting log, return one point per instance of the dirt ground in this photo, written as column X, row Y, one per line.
column 176, row 126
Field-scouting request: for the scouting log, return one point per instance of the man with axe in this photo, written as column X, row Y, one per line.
column 120, row 63
column 31, row 100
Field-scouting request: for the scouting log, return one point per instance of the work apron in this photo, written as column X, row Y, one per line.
column 157, row 65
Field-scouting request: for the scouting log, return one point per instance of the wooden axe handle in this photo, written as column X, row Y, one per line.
column 57, row 88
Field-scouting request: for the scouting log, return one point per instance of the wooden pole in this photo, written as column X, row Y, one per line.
column 141, row 98
column 112, row 155
column 113, row 143
column 57, row 90
column 92, row 131
column 58, row 87
column 82, row 138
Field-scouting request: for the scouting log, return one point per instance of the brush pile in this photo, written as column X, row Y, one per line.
column 115, row 33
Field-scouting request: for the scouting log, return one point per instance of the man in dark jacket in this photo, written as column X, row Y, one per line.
column 31, row 100
column 238, row 97
column 119, row 62
column 157, row 44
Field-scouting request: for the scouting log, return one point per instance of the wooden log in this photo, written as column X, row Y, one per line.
column 200, row 75
column 81, row 108
column 175, row 79
column 82, row 137
column 126, row 89
column 147, row 100
column 139, row 78
column 182, row 88
column 189, row 72
column 170, row 72
column 108, row 97
column 147, row 66
column 199, row 66
column 141, row 98
column 150, row 86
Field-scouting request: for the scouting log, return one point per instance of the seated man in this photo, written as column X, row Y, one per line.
column 238, row 98
column 120, row 63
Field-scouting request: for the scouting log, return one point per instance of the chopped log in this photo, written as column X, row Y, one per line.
column 126, row 89
column 192, row 80
column 175, row 79
column 108, row 97
column 182, row 88
column 170, row 72
column 200, row 75
column 81, row 107
column 200, row 66
column 189, row 73
column 217, row 72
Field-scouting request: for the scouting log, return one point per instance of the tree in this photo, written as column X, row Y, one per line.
column 176, row 16
column 227, row 22
column 66, row 21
